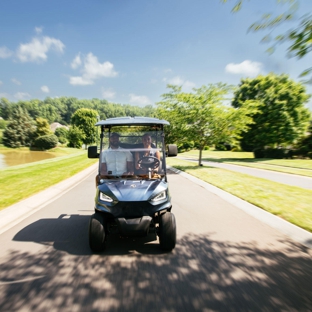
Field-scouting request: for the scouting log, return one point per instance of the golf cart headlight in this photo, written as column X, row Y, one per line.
column 160, row 196
column 106, row 198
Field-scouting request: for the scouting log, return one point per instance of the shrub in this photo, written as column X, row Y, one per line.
column 259, row 152
column 276, row 153
column 46, row 142
column 62, row 134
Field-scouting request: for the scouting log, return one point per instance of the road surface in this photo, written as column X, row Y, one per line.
column 225, row 260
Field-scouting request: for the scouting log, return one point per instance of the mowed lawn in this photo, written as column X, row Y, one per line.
column 22, row 181
column 288, row 202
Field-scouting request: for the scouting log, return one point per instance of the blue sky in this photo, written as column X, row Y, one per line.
column 127, row 51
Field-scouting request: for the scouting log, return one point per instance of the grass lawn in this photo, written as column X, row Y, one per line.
column 288, row 202
column 293, row 166
column 22, row 181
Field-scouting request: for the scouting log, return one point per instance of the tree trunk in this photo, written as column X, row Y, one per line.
column 200, row 156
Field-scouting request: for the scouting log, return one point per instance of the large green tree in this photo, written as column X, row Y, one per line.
column 20, row 129
column 282, row 116
column 202, row 117
column 85, row 120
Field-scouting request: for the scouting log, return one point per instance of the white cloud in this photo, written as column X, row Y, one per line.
column 5, row 52
column 37, row 49
column 45, row 89
column 139, row 99
column 247, row 67
column 178, row 81
column 38, row 30
column 108, row 93
column 80, row 81
column 92, row 70
column 4, row 95
column 16, row 81
column 76, row 62
column 21, row 95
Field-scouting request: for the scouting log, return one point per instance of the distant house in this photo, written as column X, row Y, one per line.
column 56, row 125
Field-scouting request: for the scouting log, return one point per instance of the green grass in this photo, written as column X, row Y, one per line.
column 288, row 202
column 292, row 166
column 22, row 181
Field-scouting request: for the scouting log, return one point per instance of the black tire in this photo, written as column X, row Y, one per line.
column 172, row 150
column 167, row 231
column 96, row 233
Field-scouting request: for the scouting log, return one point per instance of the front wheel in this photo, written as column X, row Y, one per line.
column 96, row 233
column 167, row 231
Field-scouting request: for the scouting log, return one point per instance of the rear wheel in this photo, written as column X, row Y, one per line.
column 96, row 233
column 167, row 231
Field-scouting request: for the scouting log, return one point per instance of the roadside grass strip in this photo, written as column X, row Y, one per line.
column 22, row 181
column 291, row 203
column 293, row 166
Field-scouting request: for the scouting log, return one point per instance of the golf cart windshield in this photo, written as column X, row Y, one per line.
column 132, row 148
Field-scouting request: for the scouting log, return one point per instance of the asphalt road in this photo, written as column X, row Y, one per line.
column 285, row 178
column 225, row 260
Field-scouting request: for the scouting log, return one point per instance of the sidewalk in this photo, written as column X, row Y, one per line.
column 280, row 177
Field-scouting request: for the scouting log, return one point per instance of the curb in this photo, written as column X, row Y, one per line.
column 16, row 213
column 296, row 233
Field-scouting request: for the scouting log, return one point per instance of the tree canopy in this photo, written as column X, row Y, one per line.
column 282, row 116
column 85, row 120
column 202, row 116
column 61, row 109
column 20, row 129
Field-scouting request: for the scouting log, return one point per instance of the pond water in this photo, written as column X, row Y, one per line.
column 16, row 157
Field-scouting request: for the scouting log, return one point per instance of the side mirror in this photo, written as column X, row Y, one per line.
column 92, row 152
column 172, row 150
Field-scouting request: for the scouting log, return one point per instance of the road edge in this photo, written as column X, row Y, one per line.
column 296, row 233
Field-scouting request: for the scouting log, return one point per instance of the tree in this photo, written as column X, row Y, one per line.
column 85, row 120
column 43, row 127
column 20, row 129
column 282, row 116
column 201, row 117
column 75, row 137
column 300, row 38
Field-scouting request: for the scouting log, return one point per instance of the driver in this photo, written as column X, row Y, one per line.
column 116, row 160
column 148, row 151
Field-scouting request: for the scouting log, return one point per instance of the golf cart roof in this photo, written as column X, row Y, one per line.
column 129, row 121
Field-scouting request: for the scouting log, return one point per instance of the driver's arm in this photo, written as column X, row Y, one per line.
column 136, row 159
column 103, row 169
column 130, row 167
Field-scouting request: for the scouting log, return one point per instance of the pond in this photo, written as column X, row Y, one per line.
column 18, row 157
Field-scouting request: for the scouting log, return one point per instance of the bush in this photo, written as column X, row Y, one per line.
column 259, row 152
column 62, row 134
column 46, row 142
column 309, row 155
column 223, row 146
column 275, row 153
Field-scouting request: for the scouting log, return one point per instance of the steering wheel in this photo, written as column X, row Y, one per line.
column 148, row 162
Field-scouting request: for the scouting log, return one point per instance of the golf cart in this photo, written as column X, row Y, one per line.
column 138, row 203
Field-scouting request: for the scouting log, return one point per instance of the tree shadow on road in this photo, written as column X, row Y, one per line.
column 201, row 274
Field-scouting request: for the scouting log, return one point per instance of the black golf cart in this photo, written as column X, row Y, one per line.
column 138, row 203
